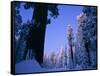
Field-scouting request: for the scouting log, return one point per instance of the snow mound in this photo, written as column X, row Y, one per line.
column 29, row 66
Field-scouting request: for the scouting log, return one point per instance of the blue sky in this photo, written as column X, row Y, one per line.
column 56, row 31
column 56, row 37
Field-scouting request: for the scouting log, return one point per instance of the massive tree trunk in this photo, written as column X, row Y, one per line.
column 36, row 37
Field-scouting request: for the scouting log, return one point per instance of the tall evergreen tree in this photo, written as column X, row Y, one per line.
column 61, row 57
column 70, row 38
column 87, row 37
column 18, row 23
column 36, row 36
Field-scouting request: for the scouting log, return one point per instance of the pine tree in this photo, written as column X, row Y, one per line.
column 91, row 34
column 18, row 23
column 70, row 38
column 86, row 38
column 53, row 60
column 61, row 58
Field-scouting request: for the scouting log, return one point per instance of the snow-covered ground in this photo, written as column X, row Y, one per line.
column 28, row 66
column 32, row 66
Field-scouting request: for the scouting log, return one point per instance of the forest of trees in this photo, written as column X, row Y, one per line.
column 80, row 51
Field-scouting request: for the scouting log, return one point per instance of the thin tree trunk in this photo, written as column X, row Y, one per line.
column 88, row 54
column 71, row 53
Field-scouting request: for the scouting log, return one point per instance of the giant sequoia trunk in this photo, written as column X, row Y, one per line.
column 36, row 37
